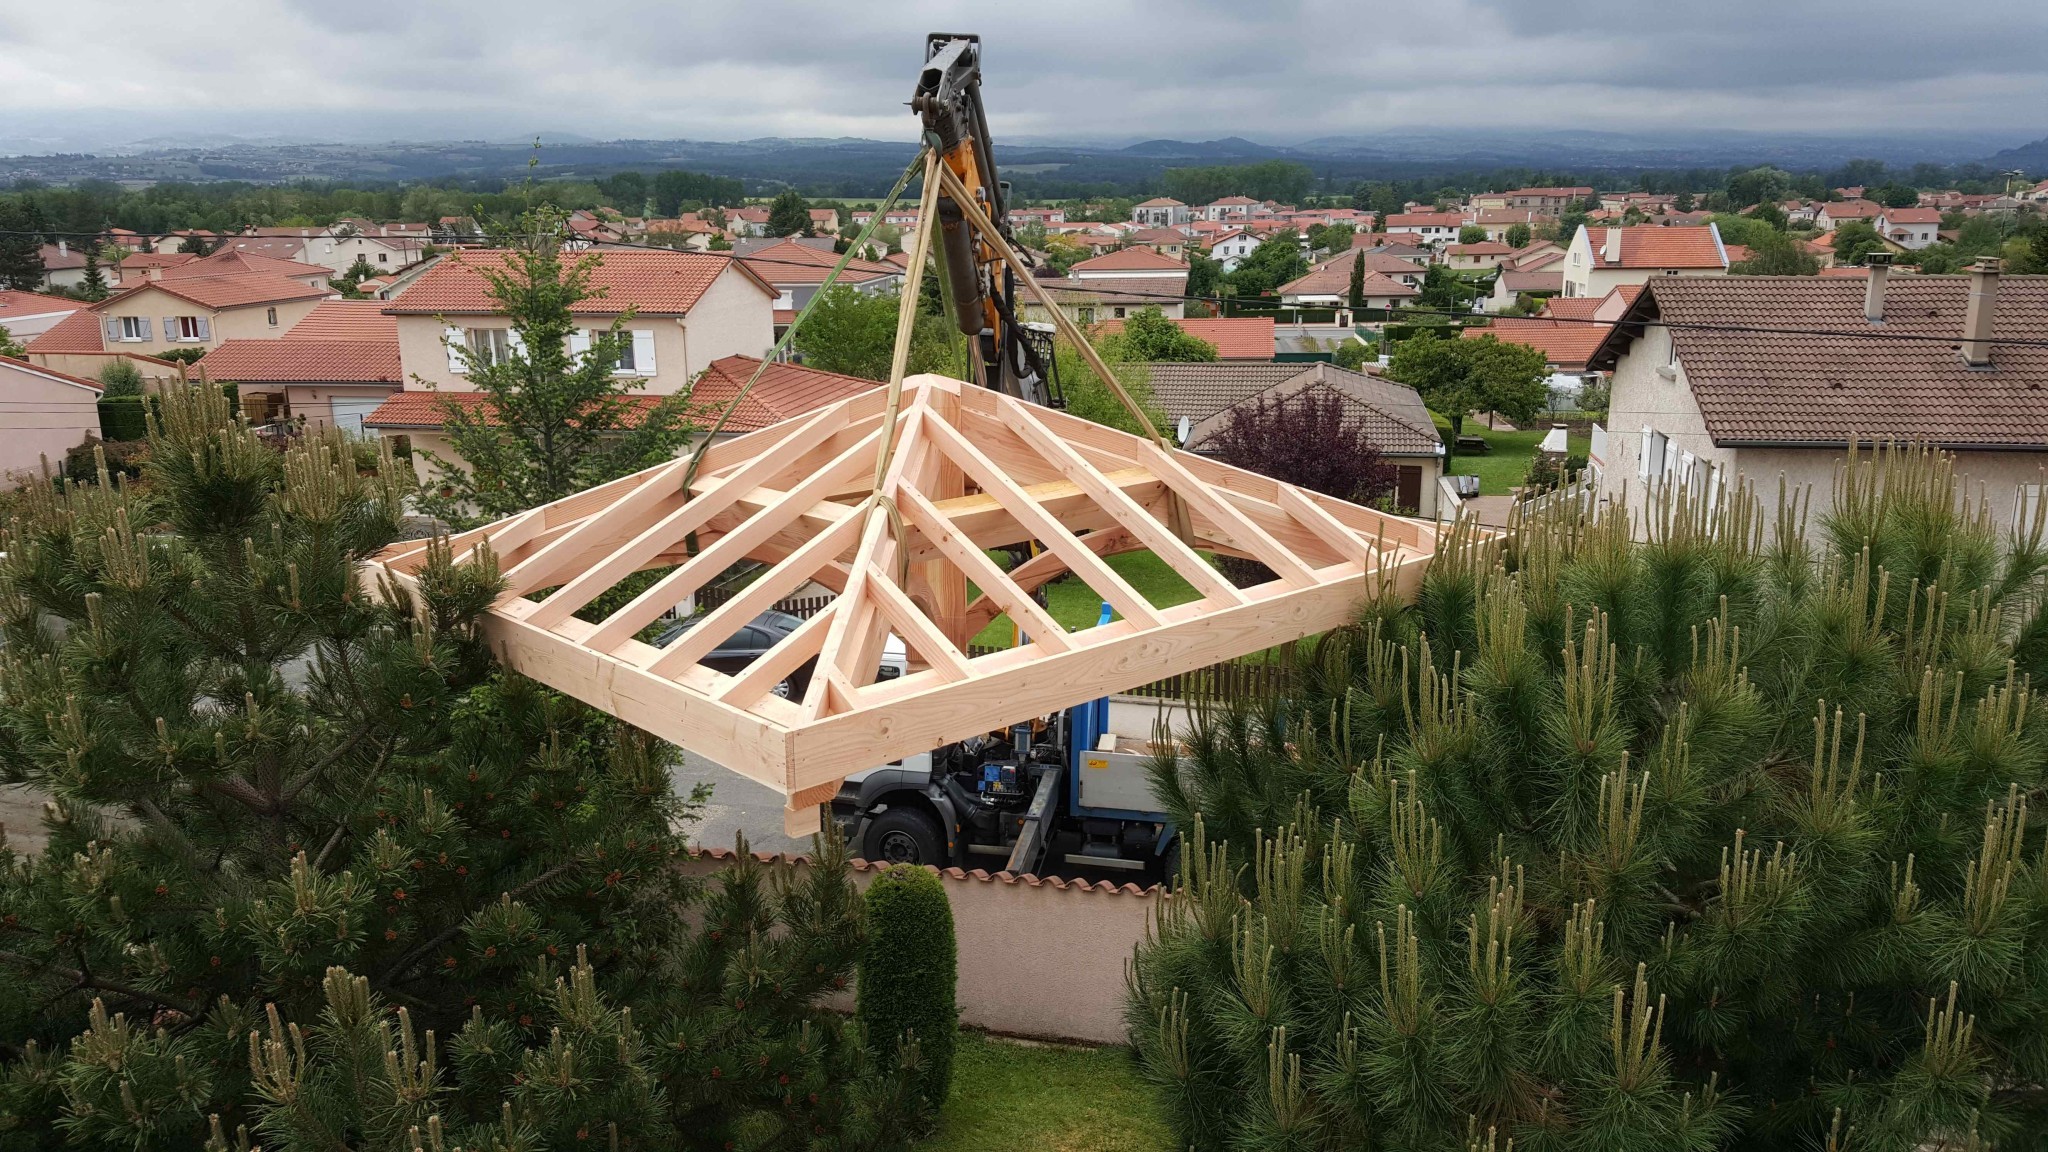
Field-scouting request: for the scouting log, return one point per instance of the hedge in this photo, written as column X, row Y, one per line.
column 908, row 969
column 124, row 418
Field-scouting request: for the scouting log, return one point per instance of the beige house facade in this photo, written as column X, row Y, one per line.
column 43, row 414
column 203, row 312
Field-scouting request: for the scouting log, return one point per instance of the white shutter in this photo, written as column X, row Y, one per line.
column 205, row 328
column 579, row 345
column 111, row 329
column 1643, row 458
column 452, row 337
column 643, row 352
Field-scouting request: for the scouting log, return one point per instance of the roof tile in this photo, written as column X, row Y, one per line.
column 662, row 283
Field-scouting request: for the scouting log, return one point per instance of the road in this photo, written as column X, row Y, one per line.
column 737, row 805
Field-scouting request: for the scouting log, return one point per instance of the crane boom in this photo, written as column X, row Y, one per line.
column 1010, row 356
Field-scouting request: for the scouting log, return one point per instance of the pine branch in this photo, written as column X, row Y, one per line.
column 83, row 980
column 453, row 930
column 313, row 773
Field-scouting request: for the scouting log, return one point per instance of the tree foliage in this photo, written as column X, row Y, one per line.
column 552, row 422
column 1277, row 260
column 1518, row 236
column 1282, row 180
column 850, row 331
column 908, row 972
column 1315, row 439
column 1457, row 376
column 1148, row 336
column 1777, row 254
column 21, row 243
column 789, row 214
column 1854, row 240
column 1719, row 840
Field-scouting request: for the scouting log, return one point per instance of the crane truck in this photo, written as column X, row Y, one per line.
column 1063, row 791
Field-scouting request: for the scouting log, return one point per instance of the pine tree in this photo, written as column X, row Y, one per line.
column 93, row 285
column 261, row 769
column 789, row 214
column 1355, row 293
column 1720, row 840
column 21, row 244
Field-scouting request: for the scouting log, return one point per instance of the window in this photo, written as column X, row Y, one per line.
column 270, row 316
column 627, row 365
column 1119, row 313
column 192, row 328
column 785, row 299
column 134, row 327
column 490, row 346
column 383, row 257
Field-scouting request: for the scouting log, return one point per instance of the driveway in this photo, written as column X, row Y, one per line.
column 737, row 805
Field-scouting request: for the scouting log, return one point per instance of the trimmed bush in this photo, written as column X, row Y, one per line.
column 908, row 969
column 123, row 418
column 120, row 379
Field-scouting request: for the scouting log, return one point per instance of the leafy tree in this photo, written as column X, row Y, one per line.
column 1763, row 185
column 1895, row 195
column 350, row 282
column 1682, row 202
column 1770, row 214
column 1276, row 261
column 1937, row 259
column 549, row 424
column 1445, row 290
column 1457, row 376
column 1518, row 236
column 851, row 331
column 1091, row 399
column 789, row 214
column 1282, row 180
column 1471, row 234
column 262, row 773
column 120, row 377
column 1205, row 275
column 1315, row 439
column 1330, row 237
column 1702, row 842
column 1855, row 240
column 1148, row 336
column 21, row 244
column 9, row 346
column 1776, row 254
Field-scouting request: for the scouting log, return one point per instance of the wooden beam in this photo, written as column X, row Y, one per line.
column 917, row 630
column 1156, row 536
column 1049, row 566
column 994, row 583
column 1333, row 532
column 1084, row 563
column 756, row 598
column 1237, row 528
column 754, row 681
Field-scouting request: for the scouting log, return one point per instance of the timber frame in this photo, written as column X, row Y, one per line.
column 970, row 470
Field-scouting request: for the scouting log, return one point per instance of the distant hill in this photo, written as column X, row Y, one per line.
column 1228, row 148
column 2029, row 158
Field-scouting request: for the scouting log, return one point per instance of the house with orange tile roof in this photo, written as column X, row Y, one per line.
column 331, row 369
column 1230, row 248
column 689, row 309
column 1160, row 212
column 1912, row 228
column 1601, row 258
column 184, row 309
column 1328, row 284
column 1130, row 264
column 27, row 315
column 1485, row 254
column 43, row 414
column 1834, row 215
column 1426, row 227
column 1233, row 337
column 797, row 270
column 1771, row 376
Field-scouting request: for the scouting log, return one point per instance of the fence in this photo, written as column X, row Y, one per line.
column 1233, row 678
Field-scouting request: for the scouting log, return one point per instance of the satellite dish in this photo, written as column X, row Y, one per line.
column 1185, row 428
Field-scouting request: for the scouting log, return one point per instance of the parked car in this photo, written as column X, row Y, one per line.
column 756, row 637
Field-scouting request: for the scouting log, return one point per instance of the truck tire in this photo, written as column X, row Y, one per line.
column 904, row 836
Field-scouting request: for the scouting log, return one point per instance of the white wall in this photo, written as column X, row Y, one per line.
column 41, row 416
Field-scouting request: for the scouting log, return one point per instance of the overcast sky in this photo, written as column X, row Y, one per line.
column 1074, row 69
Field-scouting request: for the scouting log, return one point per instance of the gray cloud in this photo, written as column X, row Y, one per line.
column 1066, row 68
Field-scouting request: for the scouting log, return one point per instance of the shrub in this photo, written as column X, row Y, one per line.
column 182, row 355
column 124, row 417
column 1715, row 841
column 908, row 969
column 121, row 378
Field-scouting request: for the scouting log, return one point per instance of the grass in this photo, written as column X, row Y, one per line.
column 1009, row 1096
column 1502, row 468
column 1075, row 605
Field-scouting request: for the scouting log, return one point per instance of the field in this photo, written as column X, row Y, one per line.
column 1008, row 1096
column 1074, row 605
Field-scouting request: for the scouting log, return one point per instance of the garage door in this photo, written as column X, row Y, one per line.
column 350, row 411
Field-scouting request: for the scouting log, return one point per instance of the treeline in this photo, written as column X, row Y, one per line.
column 1282, row 180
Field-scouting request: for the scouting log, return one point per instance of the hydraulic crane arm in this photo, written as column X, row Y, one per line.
column 1009, row 356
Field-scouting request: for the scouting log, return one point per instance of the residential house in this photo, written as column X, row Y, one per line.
column 332, row 369
column 796, row 272
column 1207, row 396
column 2038, row 194
column 64, row 267
column 26, row 315
column 694, row 233
column 151, row 265
column 1426, row 227
column 1085, row 301
column 178, row 241
column 1703, row 390
column 750, row 220
column 1546, row 201
column 689, row 308
column 1230, row 208
column 825, row 221
column 1834, row 215
column 240, row 262
column 1511, row 285
column 339, row 247
column 1230, row 248
column 1043, row 217
column 1599, row 259
column 76, row 345
column 43, row 414
column 1912, row 228
column 1476, row 257
column 1498, row 221
column 1160, row 212
column 1234, row 337
column 1165, row 241
column 182, row 310
column 1131, row 264
column 1328, row 284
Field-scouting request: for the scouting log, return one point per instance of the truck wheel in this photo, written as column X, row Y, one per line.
column 1170, row 867
column 903, row 836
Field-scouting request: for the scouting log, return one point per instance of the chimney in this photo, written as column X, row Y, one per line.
column 1611, row 251
column 1977, row 317
column 63, row 247
column 1880, row 264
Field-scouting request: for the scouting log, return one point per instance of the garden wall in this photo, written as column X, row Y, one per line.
column 1038, row 958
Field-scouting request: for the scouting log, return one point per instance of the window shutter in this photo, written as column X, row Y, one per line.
column 170, row 328
column 205, row 328
column 579, row 344
column 1643, row 459
column 452, row 337
column 643, row 352
column 111, row 328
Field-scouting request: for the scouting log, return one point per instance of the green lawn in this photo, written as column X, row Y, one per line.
column 1008, row 1096
column 1075, row 605
column 1502, row 468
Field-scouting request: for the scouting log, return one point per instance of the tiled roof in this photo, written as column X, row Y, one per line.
column 1520, row 280
column 1572, row 307
column 1483, row 248
column 424, row 409
column 346, row 320
column 1424, row 220
column 1118, row 289
column 1332, row 277
column 1400, row 424
column 1581, row 193
column 1161, row 202
column 78, row 332
column 1655, row 246
column 1912, row 215
column 791, row 263
column 1760, row 387
column 297, row 359
column 229, row 262
column 285, row 248
column 1854, row 210
column 656, row 282
column 1565, row 344
column 55, row 260
column 1235, row 337
column 13, row 303
column 147, row 260
column 1131, row 260
column 232, row 291
column 1159, row 236
column 783, row 391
